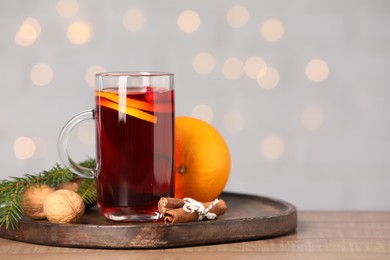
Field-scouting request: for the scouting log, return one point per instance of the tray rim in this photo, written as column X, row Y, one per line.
column 288, row 213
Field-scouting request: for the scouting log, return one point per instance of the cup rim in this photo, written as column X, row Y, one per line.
column 133, row 74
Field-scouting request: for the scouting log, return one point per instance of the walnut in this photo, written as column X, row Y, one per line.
column 63, row 206
column 73, row 186
column 33, row 198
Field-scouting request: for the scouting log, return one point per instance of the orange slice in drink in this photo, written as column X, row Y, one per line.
column 131, row 111
column 130, row 102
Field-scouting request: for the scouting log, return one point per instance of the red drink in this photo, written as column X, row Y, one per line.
column 135, row 150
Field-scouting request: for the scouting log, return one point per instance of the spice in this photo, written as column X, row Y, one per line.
column 175, row 210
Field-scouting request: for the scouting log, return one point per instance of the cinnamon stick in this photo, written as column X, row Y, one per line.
column 166, row 204
column 173, row 212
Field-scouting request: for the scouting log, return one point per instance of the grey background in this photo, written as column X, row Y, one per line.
column 342, row 164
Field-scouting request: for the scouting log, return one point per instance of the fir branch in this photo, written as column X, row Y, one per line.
column 11, row 210
column 87, row 188
column 52, row 177
column 87, row 191
column 90, row 163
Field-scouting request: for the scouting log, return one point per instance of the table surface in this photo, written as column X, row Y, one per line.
column 320, row 235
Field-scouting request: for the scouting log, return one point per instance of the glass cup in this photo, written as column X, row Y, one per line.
column 134, row 118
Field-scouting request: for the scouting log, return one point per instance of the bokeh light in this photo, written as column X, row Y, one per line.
column 41, row 74
column 28, row 32
column 24, row 148
column 188, row 21
column 272, row 147
column 233, row 122
column 237, row 16
column 268, row 78
column 312, row 118
column 134, row 20
column 254, row 66
column 79, row 32
column 233, row 68
column 203, row 112
column 272, row 30
column 203, row 63
column 90, row 74
column 317, row 70
column 67, row 8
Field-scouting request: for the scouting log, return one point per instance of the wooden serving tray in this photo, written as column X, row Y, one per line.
column 248, row 217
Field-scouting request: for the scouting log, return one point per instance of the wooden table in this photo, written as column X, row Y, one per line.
column 320, row 235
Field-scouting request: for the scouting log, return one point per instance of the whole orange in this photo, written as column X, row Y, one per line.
column 202, row 160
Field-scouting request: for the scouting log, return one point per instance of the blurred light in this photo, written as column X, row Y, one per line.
column 237, row 16
column 253, row 67
column 24, row 148
column 67, row 8
column 134, row 20
column 28, row 32
column 268, row 78
column 272, row 147
column 90, row 74
column 233, row 68
column 312, row 118
column 203, row 63
column 317, row 70
column 203, row 112
column 79, row 33
column 233, row 122
column 41, row 74
column 86, row 133
column 272, row 30
column 40, row 148
column 188, row 21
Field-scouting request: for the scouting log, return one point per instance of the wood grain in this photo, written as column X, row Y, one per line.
column 320, row 235
column 247, row 218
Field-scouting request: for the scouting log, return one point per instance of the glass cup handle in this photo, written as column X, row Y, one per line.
column 63, row 144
